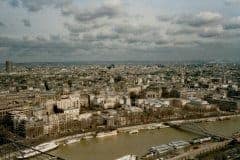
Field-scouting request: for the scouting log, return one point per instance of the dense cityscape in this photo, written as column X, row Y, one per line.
column 47, row 102
column 119, row 80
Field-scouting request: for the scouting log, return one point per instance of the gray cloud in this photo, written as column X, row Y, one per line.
column 106, row 10
column 232, row 2
column 34, row 49
column 132, row 29
column 34, row 43
column 100, row 12
column 113, row 31
column 233, row 23
column 166, row 18
column 77, row 28
column 37, row 5
column 26, row 23
column 104, row 36
column 41, row 39
column 211, row 32
column 181, row 31
column 30, row 50
column 55, row 38
column 203, row 18
column 2, row 24
column 13, row 3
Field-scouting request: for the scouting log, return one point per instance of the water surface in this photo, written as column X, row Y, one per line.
column 110, row 148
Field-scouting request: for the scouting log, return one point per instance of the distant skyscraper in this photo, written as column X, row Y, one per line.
column 9, row 66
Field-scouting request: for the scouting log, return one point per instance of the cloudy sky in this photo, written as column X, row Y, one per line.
column 105, row 30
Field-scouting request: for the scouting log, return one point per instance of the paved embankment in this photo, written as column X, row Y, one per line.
column 208, row 119
column 142, row 127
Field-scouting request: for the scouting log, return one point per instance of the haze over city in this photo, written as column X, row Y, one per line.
column 119, row 30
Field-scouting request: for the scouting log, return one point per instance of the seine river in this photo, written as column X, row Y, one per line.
column 110, row 148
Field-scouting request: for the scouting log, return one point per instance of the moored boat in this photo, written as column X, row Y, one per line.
column 133, row 131
column 201, row 140
column 179, row 144
column 106, row 134
column 45, row 147
column 128, row 157
column 71, row 141
column 161, row 149
column 88, row 137
column 236, row 134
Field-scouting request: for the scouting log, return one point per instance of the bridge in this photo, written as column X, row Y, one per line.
column 13, row 148
column 192, row 127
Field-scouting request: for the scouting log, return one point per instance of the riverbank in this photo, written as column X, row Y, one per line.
column 191, row 154
column 162, row 125
column 113, row 147
column 143, row 129
column 150, row 126
column 208, row 119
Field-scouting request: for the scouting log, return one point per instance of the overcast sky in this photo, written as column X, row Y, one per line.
column 92, row 30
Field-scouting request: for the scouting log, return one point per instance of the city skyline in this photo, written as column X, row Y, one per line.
column 119, row 30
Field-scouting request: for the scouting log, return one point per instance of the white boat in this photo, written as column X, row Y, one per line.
column 71, row 141
column 201, row 140
column 133, row 131
column 128, row 157
column 45, row 147
column 151, row 127
column 88, row 137
column 162, row 149
column 179, row 144
column 106, row 134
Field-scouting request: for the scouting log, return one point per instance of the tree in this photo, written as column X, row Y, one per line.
column 118, row 78
column 70, row 83
column 117, row 105
column 46, row 86
column 220, row 156
column 56, row 109
column 2, row 136
column 165, row 93
column 174, row 93
column 133, row 97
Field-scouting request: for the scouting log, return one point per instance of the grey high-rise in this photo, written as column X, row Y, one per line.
column 9, row 66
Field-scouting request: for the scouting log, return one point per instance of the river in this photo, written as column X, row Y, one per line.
column 110, row 148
